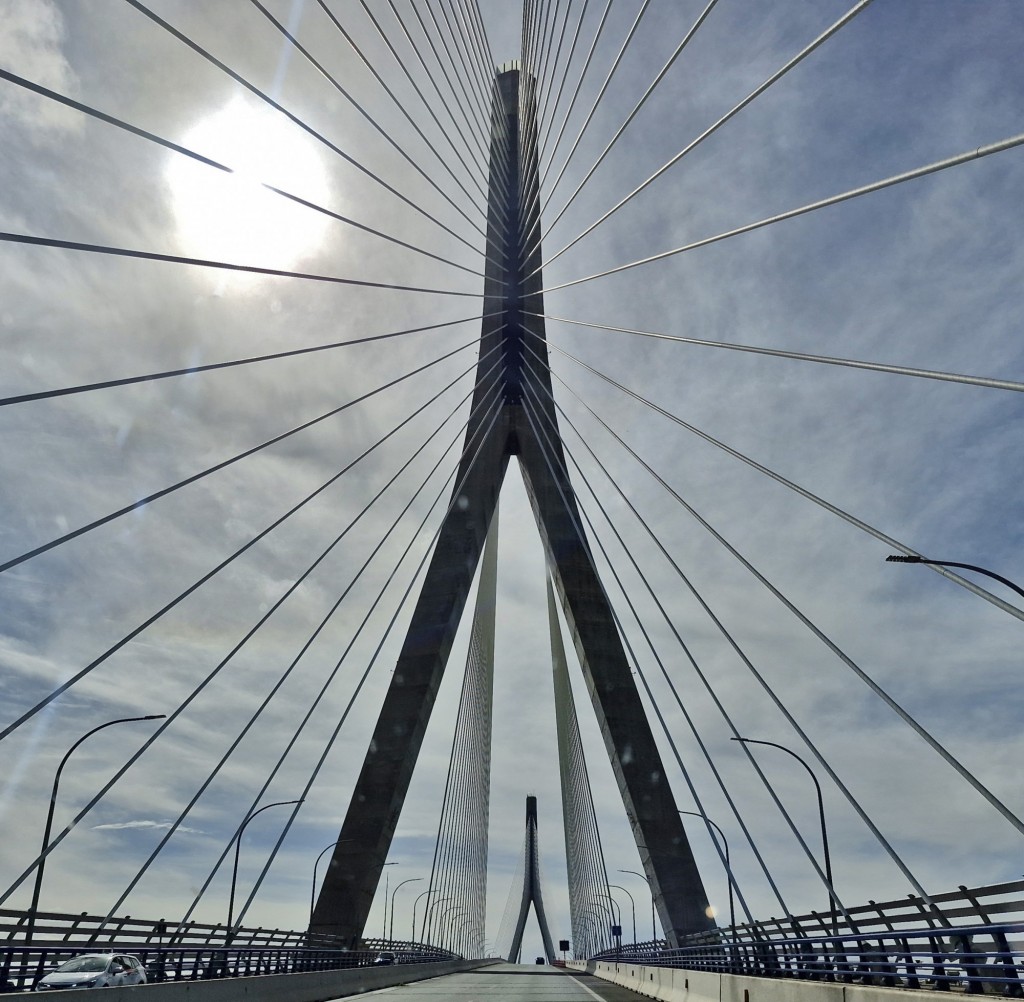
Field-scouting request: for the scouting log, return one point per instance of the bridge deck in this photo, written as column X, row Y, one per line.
column 515, row 982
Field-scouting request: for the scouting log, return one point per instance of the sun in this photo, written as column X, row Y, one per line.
column 232, row 217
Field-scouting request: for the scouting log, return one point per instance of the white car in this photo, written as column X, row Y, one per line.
column 94, row 970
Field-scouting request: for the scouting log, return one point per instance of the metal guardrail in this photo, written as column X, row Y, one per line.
column 22, row 966
column 970, row 939
column 100, row 931
column 183, row 951
column 971, row 958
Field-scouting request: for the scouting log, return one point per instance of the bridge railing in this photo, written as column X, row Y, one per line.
column 100, row 931
column 181, row 951
column 972, row 937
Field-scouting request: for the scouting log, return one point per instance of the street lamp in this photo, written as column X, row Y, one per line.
column 30, row 928
column 312, row 892
column 728, row 865
column 654, row 932
column 447, row 928
column 616, row 914
column 229, row 935
column 387, row 878
column 632, row 905
column 913, row 558
column 391, row 929
column 821, row 814
column 428, row 914
column 429, row 890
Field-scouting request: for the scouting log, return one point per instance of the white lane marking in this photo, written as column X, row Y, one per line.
column 589, row 991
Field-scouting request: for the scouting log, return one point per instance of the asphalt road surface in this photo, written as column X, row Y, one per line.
column 514, row 982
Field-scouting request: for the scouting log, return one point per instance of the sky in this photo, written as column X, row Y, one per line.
column 922, row 275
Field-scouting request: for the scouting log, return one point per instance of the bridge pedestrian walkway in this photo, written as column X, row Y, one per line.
column 515, row 983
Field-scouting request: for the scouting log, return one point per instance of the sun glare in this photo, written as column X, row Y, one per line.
column 232, row 217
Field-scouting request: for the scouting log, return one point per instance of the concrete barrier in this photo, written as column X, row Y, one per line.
column 672, row 984
column 316, row 986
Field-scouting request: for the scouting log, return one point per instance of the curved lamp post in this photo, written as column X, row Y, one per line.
column 616, row 915
column 821, row 814
column 429, row 890
column 616, row 912
column 428, row 913
column 654, row 932
column 475, row 945
column 387, row 881
column 312, row 892
column 910, row 558
column 728, row 864
column 391, row 928
column 234, row 872
column 632, row 905
column 447, row 930
column 30, row 928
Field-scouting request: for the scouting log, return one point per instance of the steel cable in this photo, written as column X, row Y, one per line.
column 856, row 9
column 170, row 719
column 267, row 99
column 320, row 627
column 802, row 491
column 54, row 694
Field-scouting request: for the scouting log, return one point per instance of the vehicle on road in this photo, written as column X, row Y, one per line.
column 385, row 960
column 94, row 970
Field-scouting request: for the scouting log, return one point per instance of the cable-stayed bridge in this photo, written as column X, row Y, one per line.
column 288, row 286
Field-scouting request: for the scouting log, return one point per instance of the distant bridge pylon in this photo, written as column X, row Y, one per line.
column 531, row 891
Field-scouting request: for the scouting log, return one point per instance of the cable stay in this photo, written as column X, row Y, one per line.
column 810, row 496
column 902, row 713
column 600, row 94
column 254, row 717
column 690, row 724
column 584, row 852
column 736, row 109
column 149, row 498
column 622, row 128
column 106, row 384
column 475, row 112
column 477, row 170
column 693, row 663
column 912, row 175
column 548, row 108
column 480, row 153
column 480, row 75
column 551, row 61
column 90, row 248
column 544, row 66
column 320, row 138
column 398, row 104
column 323, row 691
column 542, row 145
column 472, row 90
column 28, row 714
column 167, row 723
column 576, row 93
column 373, row 660
column 686, row 715
column 199, row 158
column 988, row 382
column 458, row 871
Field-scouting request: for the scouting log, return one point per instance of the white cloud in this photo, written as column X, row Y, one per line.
column 157, row 825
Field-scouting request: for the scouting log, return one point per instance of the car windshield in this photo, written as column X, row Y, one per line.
column 84, row 964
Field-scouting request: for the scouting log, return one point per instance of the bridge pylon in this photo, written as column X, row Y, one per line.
column 531, row 891
column 513, row 415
